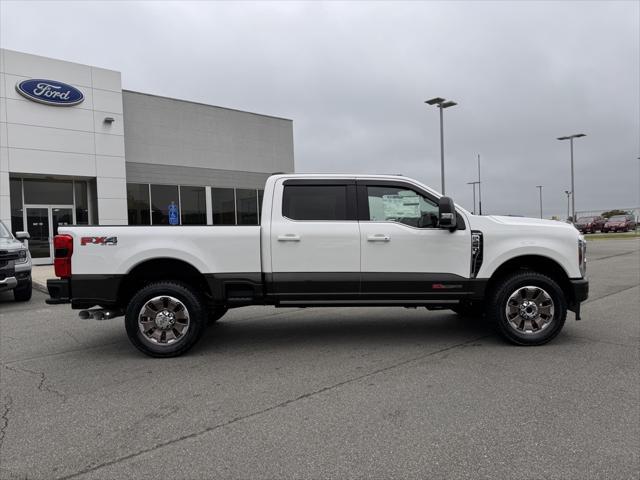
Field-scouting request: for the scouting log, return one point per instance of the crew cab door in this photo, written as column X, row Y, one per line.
column 404, row 254
column 315, row 240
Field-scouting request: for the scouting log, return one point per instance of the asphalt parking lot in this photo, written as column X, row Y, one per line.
column 329, row 393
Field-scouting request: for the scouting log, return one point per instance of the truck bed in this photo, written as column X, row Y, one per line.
column 115, row 250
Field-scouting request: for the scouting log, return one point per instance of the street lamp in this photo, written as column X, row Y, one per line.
column 573, row 188
column 539, row 187
column 568, row 193
column 441, row 103
column 474, row 194
column 479, row 189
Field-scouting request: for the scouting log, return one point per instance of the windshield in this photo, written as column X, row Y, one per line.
column 585, row 220
column 618, row 218
column 4, row 231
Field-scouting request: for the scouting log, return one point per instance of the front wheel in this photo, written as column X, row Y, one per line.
column 528, row 308
column 23, row 293
column 165, row 319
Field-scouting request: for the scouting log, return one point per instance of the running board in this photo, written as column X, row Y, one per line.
column 365, row 303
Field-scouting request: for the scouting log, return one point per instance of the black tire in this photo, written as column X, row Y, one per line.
column 510, row 285
column 469, row 309
column 23, row 293
column 216, row 313
column 192, row 301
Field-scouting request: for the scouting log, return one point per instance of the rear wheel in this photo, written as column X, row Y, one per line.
column 165, row 319
column 528, row 308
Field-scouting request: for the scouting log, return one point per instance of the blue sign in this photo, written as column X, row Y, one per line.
column 174, row 217
column 50, row 92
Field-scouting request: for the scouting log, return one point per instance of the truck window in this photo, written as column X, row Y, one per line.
column 395, row 204
column 315, row 202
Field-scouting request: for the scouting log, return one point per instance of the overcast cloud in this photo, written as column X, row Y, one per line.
column 353, row 77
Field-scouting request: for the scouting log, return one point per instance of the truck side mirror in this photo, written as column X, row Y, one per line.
column 22, row 236
column 447, row 217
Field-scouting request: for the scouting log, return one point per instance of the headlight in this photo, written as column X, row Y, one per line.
column 582, row 255
column 22, row 256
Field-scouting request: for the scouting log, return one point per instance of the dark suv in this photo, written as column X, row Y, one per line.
column 620, row 223
column 590, row 224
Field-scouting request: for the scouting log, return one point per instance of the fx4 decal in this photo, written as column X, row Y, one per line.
column 99, row 241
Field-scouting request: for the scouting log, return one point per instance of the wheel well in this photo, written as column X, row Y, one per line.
column 161, row 269
column 534, row 263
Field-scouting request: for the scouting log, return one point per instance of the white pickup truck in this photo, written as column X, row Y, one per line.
column 326, row 240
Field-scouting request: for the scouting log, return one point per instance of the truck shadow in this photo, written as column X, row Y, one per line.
column 381, row 328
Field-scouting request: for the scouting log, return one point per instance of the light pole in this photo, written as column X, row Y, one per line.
column 568, row 196
column 573, row 188
column 474, row 194
column 479, row 189
column 539, row 187
column 441, row 103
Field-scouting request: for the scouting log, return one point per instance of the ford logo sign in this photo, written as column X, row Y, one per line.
column 49, row 92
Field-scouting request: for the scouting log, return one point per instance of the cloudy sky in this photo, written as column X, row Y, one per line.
column 353, row 76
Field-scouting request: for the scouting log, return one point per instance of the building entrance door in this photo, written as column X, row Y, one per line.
column 42, row 223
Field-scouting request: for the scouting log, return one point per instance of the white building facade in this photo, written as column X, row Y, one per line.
column 77, row 149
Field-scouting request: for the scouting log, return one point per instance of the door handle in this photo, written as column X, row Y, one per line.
column 289, row 237
column 379, row 237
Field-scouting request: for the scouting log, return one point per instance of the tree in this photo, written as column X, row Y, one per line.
column 614, row 212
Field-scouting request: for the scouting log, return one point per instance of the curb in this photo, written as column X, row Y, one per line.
column 39, row 287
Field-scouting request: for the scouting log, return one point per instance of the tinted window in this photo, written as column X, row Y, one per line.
column 165, row 206
column 223, row 205
column 82, row 205
column 194, row 208
column 15, row 190
column 260, row 196
column 138, row 204
column 48, row 192
column 247, row 205
column 395, row 204
column 315, row 202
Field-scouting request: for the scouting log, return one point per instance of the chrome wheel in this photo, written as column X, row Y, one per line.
column 163, row 320
column 529, row 310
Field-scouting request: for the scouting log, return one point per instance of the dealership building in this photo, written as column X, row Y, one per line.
column 75, row 148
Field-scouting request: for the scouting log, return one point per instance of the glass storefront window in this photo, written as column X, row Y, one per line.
column 247, row 206
column 48, row 192
column 223, row 206
column 165, row 205
column 193, row 203
column 15, row 192
column 138, row 204
column 82, row 205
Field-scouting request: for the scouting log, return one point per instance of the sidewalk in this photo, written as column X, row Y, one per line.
column 39, row 276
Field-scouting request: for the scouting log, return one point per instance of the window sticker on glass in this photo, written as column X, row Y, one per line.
column 401, row 206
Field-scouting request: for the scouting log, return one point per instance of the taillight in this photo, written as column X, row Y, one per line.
column 63, row 247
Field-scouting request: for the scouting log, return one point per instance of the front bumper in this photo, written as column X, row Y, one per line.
column 59, row 291
column 579, row 293
column 8, row 283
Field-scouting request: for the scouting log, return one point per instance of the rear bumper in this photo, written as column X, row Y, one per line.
column 59, row 291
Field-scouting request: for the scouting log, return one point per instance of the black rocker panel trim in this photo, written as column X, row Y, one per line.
column 371, row 288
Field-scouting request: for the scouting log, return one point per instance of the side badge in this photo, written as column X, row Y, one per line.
column 99, row 241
